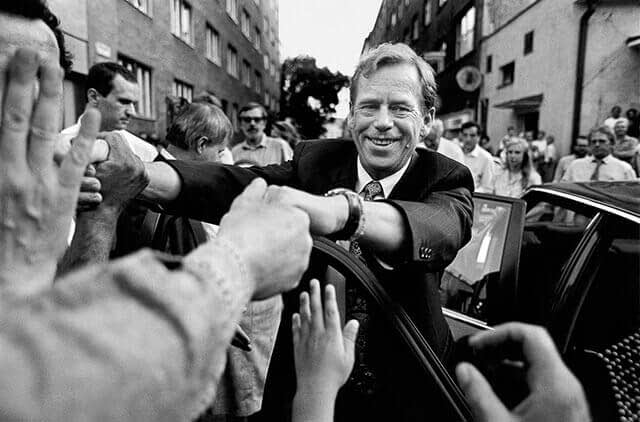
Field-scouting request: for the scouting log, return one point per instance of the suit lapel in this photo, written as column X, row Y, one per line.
column 412, row 182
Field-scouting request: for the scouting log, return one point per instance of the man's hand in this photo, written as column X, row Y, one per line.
column 37, row 196
column 122, row 176
column 555, row 393
column 272, row 239
column 327, row 214
column 324, row 354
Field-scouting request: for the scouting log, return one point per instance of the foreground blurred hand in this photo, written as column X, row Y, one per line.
column 324, row 354
column 554, row 392
column 38, row 196
column 272, row 238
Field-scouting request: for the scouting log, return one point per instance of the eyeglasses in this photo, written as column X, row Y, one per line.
column 251, row 119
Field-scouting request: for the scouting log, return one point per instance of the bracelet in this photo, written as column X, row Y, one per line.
column 354, row 226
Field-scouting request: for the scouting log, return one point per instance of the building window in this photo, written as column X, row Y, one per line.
column 441, row 3
column 489, row 64
column 267, row 100
column 415, row 32
column 464, row 39
column 232, row 9
column 143, row 75
column 258, row 84
column 257, row 38
column 394, row 18
column 427, row 12
column 266, row 62
column 182, row 89
column 265, row 26
column 181, row 20
column 400, row 11
column 141, row 5
column 246, row 73
column 507, row 73
column 528, row 43
column 406, row 36
column 245, row 24
column 213, row 45
column 234, row 116
column 232, row 61
column 273, row 69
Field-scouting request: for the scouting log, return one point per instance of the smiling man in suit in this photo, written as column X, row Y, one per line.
column 406, row 212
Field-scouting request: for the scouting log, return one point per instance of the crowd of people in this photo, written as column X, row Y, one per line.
column 609, row 152
column 94, row 326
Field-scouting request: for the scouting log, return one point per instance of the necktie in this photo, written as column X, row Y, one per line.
column 363, row 377
column 596, row 172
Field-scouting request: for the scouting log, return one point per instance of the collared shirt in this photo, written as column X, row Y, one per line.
column 144, row 150
column 581, row 170
column 388, row 183
column 267, row 151
column 448, row 149
column 510, row 184
column 563, row 164
column 481, row 165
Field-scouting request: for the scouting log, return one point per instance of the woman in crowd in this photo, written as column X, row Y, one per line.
column 518, row 173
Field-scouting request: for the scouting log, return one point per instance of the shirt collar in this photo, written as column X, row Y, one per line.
column 261, row 144
column 474, row 152
column 605, row 160
column 388, row 183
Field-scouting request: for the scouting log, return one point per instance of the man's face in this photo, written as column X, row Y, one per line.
column 581, row 148
column 252, row 124
column 615, row 111
column 470, row 138
column 386, row 120
column 600, row 145
column 511, row 132
column 17, row 32
column 119, row 105
column 620, row 128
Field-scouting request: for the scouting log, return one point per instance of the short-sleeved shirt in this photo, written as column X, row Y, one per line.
column 268, row 151
column 582, row 169
column 481, row 165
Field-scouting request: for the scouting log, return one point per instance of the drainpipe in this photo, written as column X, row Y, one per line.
column 582, row 49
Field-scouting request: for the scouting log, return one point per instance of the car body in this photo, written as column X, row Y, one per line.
column 565, row 256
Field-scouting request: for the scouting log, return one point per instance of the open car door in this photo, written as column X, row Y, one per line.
column 479, row 288
column 331, row 263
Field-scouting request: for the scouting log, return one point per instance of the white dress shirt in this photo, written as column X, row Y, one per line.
column 581, row 170
column 481, row 165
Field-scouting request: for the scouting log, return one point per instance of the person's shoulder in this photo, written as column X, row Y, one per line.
column 444, row 164
column 326, row 145
column 619, row 162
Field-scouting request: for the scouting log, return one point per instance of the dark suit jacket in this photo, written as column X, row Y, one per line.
column 433, row 196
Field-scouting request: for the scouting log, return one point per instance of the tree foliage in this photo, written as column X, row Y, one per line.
column 309, row 94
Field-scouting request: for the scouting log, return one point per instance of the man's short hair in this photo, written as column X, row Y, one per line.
column 470, row 124
column 605, row 130
column 37, row 9
column 392, row 54
column 207, row 98
column 251, row 106
column 101, row 76
column 198, row 120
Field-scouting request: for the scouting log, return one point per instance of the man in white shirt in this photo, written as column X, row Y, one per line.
column 436, row 142
column 601, row 165
column 613, row 117
column 580, row 150
column 477, row 159
column 114, row 92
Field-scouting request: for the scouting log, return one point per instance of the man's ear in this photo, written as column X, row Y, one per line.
column 93, row 96
column 201, row 144
column 428, row 119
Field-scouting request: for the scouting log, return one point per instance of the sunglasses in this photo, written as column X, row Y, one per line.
column 252, row 119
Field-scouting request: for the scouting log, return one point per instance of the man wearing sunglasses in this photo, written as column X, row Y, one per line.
column 257, row 149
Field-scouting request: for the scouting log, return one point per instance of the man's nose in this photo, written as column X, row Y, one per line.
column 384, row 120
column 130, row 110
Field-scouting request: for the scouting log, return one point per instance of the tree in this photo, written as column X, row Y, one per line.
column 309, row 94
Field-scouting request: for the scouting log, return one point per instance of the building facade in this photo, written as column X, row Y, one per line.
column 446, row 33
column 176, row 48
column 530, row 61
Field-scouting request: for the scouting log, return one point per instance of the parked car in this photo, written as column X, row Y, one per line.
column 565, row 256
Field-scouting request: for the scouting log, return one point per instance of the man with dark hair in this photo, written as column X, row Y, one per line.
column 258, row 149
column 613, row 116
column 477, row 159
column 580, row 150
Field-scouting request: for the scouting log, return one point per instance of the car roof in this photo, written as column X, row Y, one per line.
column 623, row 195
